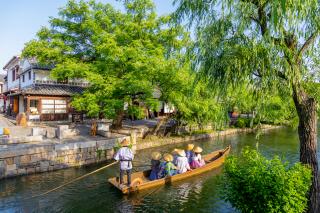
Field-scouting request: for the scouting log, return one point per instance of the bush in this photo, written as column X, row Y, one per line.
column 241, row 123
column 251, row 183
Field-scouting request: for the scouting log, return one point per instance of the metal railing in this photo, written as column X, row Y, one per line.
column 51, row 82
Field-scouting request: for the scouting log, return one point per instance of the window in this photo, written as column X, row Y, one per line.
column 23, row 78
column 17, row 72
column 34, row 106
column 51, row 106
column 14, row 74
column 29, row 74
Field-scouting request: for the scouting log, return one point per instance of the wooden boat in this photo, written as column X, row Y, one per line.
column 140, row 180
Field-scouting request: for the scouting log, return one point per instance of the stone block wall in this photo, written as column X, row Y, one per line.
column 145, row 144
column 42, row 158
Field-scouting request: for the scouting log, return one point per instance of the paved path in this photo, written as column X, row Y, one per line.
column 4, row 122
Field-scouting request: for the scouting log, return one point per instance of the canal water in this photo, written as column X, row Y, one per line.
column 94, row 194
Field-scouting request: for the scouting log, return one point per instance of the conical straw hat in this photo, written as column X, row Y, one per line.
column 181, row 152
column 156, row 155
column 168, row 157
column 198, row 149
column 190, row 146
column 125, row 142
column 174, row 151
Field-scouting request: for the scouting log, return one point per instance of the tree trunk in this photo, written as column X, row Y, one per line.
column 161, row 121
column 306, row 109
column 117, row 121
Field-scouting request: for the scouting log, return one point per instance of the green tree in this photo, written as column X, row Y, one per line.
column 196, row 104
column 273, row 45
column 124, row 55
column 252, row 183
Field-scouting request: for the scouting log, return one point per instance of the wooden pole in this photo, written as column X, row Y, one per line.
column 74, row 180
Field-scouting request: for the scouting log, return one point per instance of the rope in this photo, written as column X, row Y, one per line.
column 78, row 178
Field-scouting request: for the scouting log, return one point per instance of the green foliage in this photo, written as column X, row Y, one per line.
column 197, row 104
column 261, row 48
column 136, row 111
column 278, row 110
column 99, row 153
column 252, row 183
column 125, row 56
column 241, row 123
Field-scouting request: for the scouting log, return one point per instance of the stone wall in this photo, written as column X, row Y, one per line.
column 144, row 144
column 30, row 159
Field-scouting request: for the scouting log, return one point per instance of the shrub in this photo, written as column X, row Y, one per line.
column 248, row 122
column 252, row 183
column 241, row 123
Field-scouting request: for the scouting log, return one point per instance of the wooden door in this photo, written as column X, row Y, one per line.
column 16, row 104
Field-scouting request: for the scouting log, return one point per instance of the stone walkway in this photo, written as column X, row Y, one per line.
column 4, row 122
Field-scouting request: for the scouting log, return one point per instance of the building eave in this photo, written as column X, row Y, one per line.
column 11, row 60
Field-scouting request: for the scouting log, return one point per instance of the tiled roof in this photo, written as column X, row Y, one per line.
column 57, row 90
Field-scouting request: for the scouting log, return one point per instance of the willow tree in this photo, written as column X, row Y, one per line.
column 125, row 55
column 274, row 45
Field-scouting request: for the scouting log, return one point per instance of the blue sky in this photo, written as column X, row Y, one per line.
column 21, row 19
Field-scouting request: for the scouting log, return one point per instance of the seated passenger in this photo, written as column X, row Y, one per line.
column 189, row 152
column 170, row 167
column 175, row 155
column 162, row 170
column 155, row 165
column 182, row 162
column 197, row 161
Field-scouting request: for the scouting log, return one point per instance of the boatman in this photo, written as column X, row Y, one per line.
column 125, row 156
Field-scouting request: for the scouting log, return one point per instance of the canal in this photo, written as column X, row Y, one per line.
column 94, row 194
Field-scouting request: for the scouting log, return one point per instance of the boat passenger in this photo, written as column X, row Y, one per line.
column 197, row 160
column 155, row 165
column 125, row 156
column 162, row 170
column 170, row 167
column 182, row 162
column 189, row 152
column 175, row 156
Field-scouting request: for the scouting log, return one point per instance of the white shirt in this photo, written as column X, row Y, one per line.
column 182, row 164
column 124, row 153
column 197, row 157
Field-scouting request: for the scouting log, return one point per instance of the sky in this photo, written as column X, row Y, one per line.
column 21, row 19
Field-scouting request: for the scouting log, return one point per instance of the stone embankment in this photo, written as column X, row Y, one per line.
column 144, row 144
column 24, row 159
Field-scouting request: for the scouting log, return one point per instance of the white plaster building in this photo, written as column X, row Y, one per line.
column 30, row 89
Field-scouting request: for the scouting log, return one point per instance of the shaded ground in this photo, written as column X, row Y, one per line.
column 4, row 122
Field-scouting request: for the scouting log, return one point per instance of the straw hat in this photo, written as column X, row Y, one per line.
column 174, row 151
column 190, row 146
column 156, row 155
column 181, row 152
column 125, row 142
column 168, row 157
column 198, row 149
